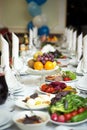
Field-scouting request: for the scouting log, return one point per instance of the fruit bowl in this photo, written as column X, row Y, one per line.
column 41, row 72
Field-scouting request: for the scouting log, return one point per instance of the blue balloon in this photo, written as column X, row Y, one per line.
column 28, row 1
column 40, row 2
column 30, row 25
column 34, row 9
column 44, row 30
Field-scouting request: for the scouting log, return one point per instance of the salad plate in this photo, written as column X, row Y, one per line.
column 68, row 123
column 63, row 76
column 70, row 127
column 40, row 102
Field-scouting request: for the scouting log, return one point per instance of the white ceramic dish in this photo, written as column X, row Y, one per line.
column 41, row 72
column 69, row 124
column 38, row 126
column 70, row 128
column 7, row 125
column 36, row 104
column 5, row 117
column 81, row 84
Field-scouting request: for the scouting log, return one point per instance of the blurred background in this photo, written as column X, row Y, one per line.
column 16, row 15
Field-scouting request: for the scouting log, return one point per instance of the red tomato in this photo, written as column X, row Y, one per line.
column 44, row 87
column 61, row 118
column 74, row 113
column 66, row 79
column 82, row 109
column 68, row 116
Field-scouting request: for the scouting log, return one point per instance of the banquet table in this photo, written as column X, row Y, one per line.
column 31, row 82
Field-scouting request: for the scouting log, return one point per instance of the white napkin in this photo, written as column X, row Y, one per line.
column 30, row 39
column 74, row 39
column 15, row 46
column 85, row 54
column 47, row 48
column 17, row 61
column 12, row 82
column 35, row 32
column 5, row 52
column 82, row 66
column 70, row 37
column 79, row 47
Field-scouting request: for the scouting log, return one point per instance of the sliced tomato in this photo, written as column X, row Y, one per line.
column 74, row 113
column 66, row 79
column 68, row 116
column 82, row 109
column 44, row 87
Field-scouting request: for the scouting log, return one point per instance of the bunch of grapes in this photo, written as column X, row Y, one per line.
column 45, row 57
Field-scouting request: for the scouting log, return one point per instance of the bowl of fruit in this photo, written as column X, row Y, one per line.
column 42, row 63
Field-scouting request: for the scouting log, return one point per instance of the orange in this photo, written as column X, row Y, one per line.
column 38, row 65
column 49, row 65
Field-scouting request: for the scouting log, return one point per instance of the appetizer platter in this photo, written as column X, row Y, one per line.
column 66, row 76
column 55, row 87
column 34, row 101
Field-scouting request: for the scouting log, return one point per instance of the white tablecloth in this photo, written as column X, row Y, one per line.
column 31, row 83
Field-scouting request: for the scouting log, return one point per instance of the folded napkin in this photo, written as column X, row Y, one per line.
column 30, row 39
column 79, row 47
column 82, row 66
column 74, row 39
column 15, row 49
column 70, row 38
column 12, row 82
column 5, row 52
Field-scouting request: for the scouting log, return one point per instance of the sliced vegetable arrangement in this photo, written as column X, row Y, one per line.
column 68, row 107
column 55, row 87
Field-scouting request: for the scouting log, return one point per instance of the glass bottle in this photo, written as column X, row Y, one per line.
column 3, row 87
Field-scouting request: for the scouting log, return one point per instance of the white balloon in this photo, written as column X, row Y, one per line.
column 40, row 20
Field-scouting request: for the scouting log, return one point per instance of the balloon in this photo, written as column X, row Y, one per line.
column 44, row 30
column 40, row 2
column 38, row 21
column 28, row 1
column 30, row 25
column 34, row 9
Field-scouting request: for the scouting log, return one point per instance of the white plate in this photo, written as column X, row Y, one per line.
column 70, row 128
column 43, row 72
column 5, row 117
column 69, row 124
column 23, row 105
column 10, row 123
column 81, row 84
column 70, row 81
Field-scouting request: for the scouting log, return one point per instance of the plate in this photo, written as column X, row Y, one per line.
column 41, row 102
column 42, row 72
column 59, row 76
column 81, row 84
column 5, row 117
column 10, row 123
column 70, row 128
column 69, row 124
column 70, row 81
